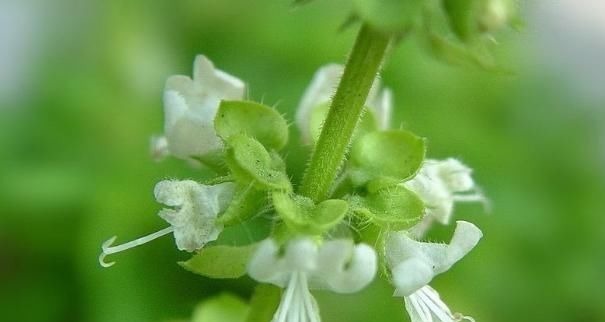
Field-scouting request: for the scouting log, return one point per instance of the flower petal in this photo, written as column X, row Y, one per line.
column 345, row 267
column 439, row 184
column 196, row 209
column 218, row 82
column 415, row 263
column 266, row 266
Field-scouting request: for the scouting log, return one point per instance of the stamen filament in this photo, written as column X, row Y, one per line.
column 108, row 249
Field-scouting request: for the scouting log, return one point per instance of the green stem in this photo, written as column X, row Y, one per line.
column 346, row 109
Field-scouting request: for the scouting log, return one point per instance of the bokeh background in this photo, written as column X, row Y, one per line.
column 80, row 96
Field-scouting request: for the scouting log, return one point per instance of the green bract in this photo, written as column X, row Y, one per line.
column 389, row 15
column 395, row 154
column 251, row 163
column 301, row 215
column 255, row 120
column 224, row 307
column 220, row 261
column 246, row 203
column 394, row 208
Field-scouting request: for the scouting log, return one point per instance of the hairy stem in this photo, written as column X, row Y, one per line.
column 345, row 111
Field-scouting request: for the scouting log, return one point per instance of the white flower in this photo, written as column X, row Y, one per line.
column 414, row 264
column 322, row 89
column 439, row 184
column 190, row 106
column 337, row 265
column 192, row 216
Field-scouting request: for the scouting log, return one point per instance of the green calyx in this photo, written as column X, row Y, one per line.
column 251, row 163
column 393, row 208
column 393, row 154
column 303, row 216
column 255, row 120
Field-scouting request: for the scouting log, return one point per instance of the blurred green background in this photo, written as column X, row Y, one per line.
column 81, row 96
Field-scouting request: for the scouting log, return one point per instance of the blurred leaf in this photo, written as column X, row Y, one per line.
column 463, row 18
column 221, row 308
column 263, row 303
column 220, row 261
column 389, row 15
column 301, row 2
column 451, row 52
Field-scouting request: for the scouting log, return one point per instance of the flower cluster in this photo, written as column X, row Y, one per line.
column 386, row 183
column 190, row 106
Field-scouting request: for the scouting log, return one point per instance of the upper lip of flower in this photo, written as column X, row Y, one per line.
column 190, row 105
column 441, row 183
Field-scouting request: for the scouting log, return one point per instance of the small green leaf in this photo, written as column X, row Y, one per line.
column 367, row 123
column 250, row 162
column 300, row 214
column 263, row 303
column 452, row 52
column 394, row 207
column 222, row 308
column 255, row 120
column 397, row 154
column 220, row 261
column 246, row 203
column 462, row 16
column 389, row 15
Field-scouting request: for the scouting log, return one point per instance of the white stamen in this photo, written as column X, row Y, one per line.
column 297, row 304
column 460, row 317
column 287, row 300
column 108, row 249
column 425, row 305
column 435, row 305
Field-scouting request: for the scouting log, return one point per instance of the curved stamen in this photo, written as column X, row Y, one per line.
column 460, row 317
column 107, row 249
